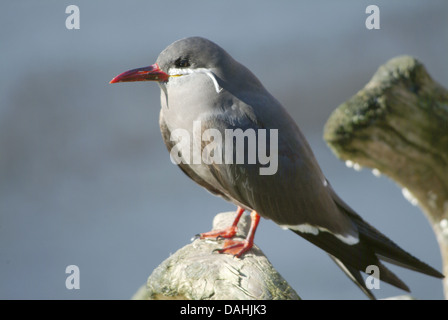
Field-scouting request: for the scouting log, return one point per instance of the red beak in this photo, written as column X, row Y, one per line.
column 151, row 73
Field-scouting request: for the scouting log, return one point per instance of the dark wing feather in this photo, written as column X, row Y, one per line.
column 354, row 257
column 354, row 275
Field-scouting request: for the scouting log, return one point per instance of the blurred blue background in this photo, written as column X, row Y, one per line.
column 85, row 178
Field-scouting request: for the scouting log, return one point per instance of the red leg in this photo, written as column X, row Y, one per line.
column 227, row 232
column 237, row 248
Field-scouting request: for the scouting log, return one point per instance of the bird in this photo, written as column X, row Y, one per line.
column 206, row 95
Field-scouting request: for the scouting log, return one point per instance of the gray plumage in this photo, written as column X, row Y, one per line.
column 206, row 84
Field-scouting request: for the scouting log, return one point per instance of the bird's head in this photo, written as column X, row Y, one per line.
column 182, row 58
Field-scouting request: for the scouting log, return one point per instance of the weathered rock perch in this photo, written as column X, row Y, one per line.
column 398, row 125
column 195, row 272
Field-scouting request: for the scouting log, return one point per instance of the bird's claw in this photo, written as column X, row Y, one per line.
column 235, row 248
column 217, row 234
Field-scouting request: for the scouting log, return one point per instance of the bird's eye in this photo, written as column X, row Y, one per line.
column 182, row 63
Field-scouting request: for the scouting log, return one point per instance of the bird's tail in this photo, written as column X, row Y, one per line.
column 386, row 250
column 372, row 248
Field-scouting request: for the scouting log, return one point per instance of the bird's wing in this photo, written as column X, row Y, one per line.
column 296, row 195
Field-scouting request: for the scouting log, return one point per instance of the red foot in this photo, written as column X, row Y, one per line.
column 224, row 233
column 236, row 248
